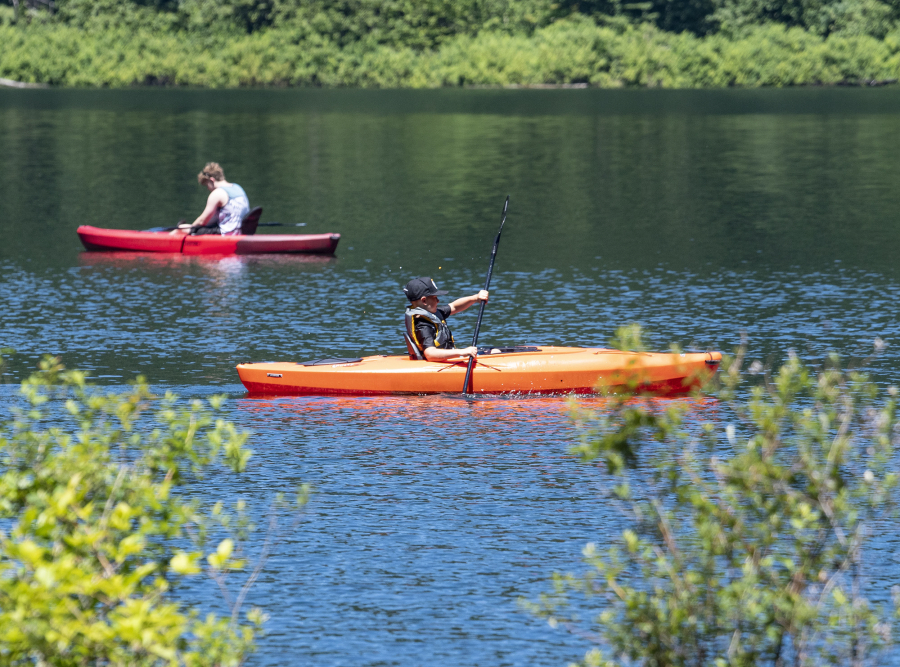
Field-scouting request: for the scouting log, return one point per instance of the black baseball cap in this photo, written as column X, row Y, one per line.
column 418, row 287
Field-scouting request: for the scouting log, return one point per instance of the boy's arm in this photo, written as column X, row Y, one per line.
column 213, row 203
column 426, row 333
column 436, row 354
column 461, row 304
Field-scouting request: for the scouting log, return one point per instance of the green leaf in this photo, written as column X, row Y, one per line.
column 184, row 563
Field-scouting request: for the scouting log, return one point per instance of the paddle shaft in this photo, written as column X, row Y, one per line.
column 487, row 285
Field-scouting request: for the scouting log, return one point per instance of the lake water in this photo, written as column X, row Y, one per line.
column 704, row 216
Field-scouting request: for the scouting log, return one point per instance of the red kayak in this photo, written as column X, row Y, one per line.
column 97, row 238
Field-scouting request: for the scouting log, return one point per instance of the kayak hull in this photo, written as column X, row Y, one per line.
column 550, row 370
column 98, row 238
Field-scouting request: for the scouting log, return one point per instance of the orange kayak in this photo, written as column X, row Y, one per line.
column 545, row 370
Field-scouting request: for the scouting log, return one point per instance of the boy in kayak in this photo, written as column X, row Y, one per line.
column 426, row 328
column 225, row 208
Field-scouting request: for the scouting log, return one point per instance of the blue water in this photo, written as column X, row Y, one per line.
column 705, row 217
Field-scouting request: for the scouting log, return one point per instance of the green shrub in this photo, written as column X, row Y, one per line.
column 96, row 534
column 745, row 545
column 425, row 24
column 571, row 51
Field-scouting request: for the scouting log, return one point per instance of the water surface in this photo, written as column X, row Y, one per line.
column 704, row 216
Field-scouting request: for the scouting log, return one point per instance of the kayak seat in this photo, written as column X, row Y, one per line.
column 413, row 352
column 251, row 221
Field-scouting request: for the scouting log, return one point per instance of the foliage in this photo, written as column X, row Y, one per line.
column 416, row 24
column 97, row 534
column 748, row 549
column 868, row 17
column 432, row 43
column 571, row 51
column 401, row 23
column 424, row 24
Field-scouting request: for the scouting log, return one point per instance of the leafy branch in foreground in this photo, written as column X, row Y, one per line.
column 95, row 534
column 746, row 549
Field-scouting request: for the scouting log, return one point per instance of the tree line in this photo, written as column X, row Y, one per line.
column 437, row 43
column 426, row 24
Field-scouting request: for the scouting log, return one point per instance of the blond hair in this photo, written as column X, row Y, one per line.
column 211, row 172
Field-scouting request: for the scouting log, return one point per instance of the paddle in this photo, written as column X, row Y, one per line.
column 487, row 284
column 262, row 224
column 166, row 229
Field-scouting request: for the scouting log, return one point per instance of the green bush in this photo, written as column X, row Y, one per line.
column 571, row 51
column 97, row 535
column 401, row 23
column 745, row 545
column 425, row 24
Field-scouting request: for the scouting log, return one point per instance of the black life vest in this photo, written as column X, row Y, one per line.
column 443, row 337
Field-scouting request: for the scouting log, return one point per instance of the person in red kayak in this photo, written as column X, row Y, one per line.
column 427, row 333
column 225, row 208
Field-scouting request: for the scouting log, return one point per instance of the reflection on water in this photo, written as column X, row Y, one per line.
column 431, row 516
column 118, row 316
column 147, row 260
column 699, row 215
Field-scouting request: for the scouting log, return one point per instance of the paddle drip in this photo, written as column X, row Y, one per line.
column 467, row 386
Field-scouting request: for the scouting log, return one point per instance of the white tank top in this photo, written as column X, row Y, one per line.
column 231, row 215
